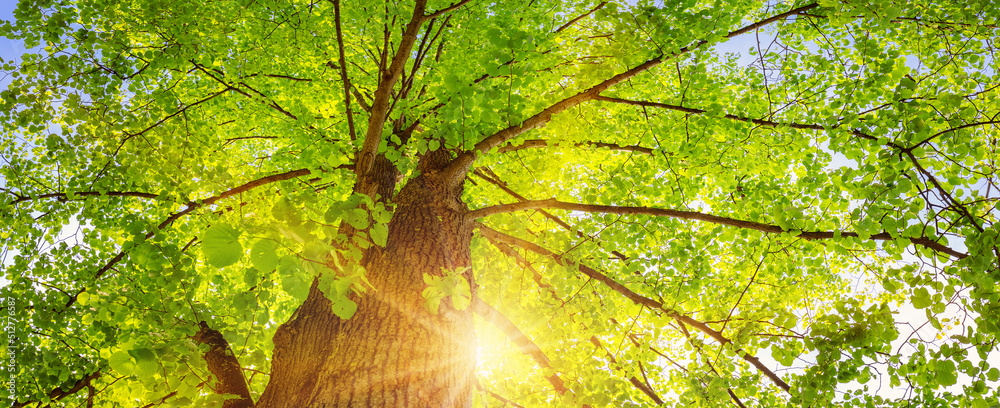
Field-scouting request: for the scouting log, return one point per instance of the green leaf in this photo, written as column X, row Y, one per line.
column 221, row 245
column 921, row 298
column 358, row 218
column 263, row 255
column 993, row 374
column 379, row 234
column 286, row 212
column 343, row 307
column 945, row 373
column 121, row 362
column 295, row 286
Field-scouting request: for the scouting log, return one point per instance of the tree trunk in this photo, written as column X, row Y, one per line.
column 393, row 352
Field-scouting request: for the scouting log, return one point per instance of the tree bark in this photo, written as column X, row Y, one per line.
column 393, row 352
column 224, row 365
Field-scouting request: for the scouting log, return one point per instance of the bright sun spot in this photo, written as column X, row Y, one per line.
column 492, row 352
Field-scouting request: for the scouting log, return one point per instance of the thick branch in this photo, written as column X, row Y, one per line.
column 226, row 368
column 455, row 172
column 58, row 393
column 446, row 10
column 694, row 215
column 536, row 143
column 635, row 297
column 380, row 104
column 515, row 335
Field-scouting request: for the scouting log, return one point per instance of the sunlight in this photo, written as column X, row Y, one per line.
column 492, row 350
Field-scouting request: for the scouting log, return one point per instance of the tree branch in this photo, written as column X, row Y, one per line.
column 380, row 103
column 528, row 347
column 223, row 364
column 906, row 151
column 187, row 210
column 57, row 393
column 949, row 130
column 537, row 277
column 65, row 196
column 694, row 215
column 343, row 70
column 685, row 109
column 634, row 297
column 503, row 186
column 537, row 143
column 580, row 17
column 455, row 172
column 446, row 10
column 264, row 99
column 499, row 397
column 635, row 381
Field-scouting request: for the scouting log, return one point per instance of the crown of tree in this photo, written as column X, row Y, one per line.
column 519, row 203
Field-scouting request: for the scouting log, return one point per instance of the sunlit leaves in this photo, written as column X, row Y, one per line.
column 263, row 255
column 921, row 298
column 451, row 285
column 870, row 118
column 121, row 361
column 292, row 281
column 336, row 290
column 221, row 245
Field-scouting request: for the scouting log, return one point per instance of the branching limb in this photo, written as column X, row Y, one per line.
column 949, row 130
column 455, row 172
column 536, row 143
column 64, row 196
column 381, row 102
column 694, row 215
column 190, row 208
column 635, row 297
column 646, row 389
column 58, row 393
column 687, row 335
column 493, row 179
column 906, row 151
column 695, row 111
column 507, row 250
column 264, row 99
column 528, row 347
column 580, row 17
column 343, row 70
column 535, row 275
column 446, row 10
column 129, row 136
column 223, row 364
column 499, row 397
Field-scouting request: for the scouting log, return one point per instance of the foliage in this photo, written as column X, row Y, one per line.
column 810, row 219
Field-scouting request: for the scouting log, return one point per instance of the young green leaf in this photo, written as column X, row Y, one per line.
column 263, row 255
column 221, row 245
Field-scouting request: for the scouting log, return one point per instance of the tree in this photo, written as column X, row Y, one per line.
column 268, row 203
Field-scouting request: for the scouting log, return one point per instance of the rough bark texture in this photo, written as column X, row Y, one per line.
column 226, row 368
column 393, row 352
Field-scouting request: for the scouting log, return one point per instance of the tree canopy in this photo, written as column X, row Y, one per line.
column 691, row 203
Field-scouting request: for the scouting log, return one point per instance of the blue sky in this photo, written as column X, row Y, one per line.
column 9, row 49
